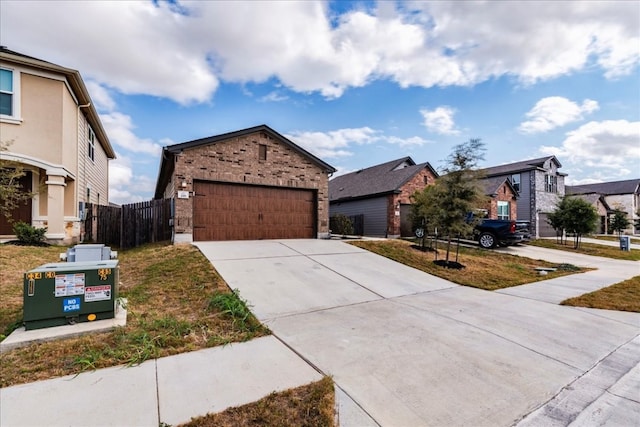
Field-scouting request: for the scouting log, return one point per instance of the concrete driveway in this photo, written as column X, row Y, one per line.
column 409, row 349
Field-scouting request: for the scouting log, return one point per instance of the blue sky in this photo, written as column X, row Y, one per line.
column 356, row 83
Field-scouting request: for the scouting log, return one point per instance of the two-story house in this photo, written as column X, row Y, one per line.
column 51, row 128
column 613, row 195
column 540, row 187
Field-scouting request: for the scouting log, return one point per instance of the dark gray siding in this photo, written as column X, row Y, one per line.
column 374, row 211
column 524, row 197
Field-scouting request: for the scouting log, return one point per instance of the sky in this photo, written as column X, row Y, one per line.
column 355, row 83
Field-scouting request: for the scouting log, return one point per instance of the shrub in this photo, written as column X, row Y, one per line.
column 341, row 224
column 28, row 234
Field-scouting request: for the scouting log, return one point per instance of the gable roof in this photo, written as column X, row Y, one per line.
column 76, row 84
column 521, row 166
column 593, row 199
column 169, row 152
column 491, row 185
column 629, row 186
column 376, row 180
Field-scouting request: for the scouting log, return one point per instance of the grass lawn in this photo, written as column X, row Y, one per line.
column 311, row 405
column 623, row 296
column 593, row 249
column 484, row 269
column 176, row 303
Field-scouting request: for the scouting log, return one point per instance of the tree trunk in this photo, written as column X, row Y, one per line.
column 448, row 247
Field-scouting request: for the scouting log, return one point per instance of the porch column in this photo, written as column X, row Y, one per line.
column 55, row 207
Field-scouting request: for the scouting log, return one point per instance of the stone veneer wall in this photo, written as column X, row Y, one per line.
column 237, row 161
column 417, row 183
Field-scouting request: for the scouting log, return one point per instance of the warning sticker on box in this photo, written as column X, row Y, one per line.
column 97, row 293
column 69, row 284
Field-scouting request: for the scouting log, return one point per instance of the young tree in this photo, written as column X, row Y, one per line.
column 576, row 216
column 425, row 209
column 11, row 192
column 447, row 204
column 556, row 220
column 619, row 221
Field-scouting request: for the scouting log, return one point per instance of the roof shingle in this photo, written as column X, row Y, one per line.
column 380, row 179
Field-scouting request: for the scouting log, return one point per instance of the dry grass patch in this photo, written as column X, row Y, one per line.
column 592, row 249
column 623, row 296
column 311, row 405
column 484, row 269
column 176, row 303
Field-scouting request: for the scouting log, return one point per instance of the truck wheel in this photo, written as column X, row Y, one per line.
column 487, row 240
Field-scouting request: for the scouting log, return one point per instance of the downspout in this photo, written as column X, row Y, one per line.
column 84, row 177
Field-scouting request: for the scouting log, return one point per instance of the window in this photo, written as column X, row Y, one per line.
column 515, row 181
column 7, row 94
column 262, row 153
column 551, row 183
column 91, row 144
column 503, row 210
column 426, row 179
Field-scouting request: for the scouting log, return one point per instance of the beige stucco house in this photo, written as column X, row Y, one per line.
column 51, row 128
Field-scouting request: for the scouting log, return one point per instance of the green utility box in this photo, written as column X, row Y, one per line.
column 66, row 293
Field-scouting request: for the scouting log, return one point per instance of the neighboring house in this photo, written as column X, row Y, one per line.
column 52, row 129
column 620, row 195
column 381, row 194
column 539, row 185
column 502, row 196
column 601, row 206
column 245, row 185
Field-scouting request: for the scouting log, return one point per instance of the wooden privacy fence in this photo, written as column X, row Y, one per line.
column 128, row 226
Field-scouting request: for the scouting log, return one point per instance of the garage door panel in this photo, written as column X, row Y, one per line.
column 245, row 212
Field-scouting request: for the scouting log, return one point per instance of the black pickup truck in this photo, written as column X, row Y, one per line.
column 500, row 232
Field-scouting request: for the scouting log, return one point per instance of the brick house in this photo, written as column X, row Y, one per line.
column 245, row 185
column 381, row 194
column 502, row 196
column 53, row 131
column 539, row 185
column 608, row 196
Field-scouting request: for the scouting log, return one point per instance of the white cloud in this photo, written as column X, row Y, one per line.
column 100, row 96
column 335, row 143
column 555, row 111
column 183, row 52
column 120, row 173
column 611, row 144
column 274, row 96
column 120, row 130
column 440, row 120
column 125, row 186
column 406, row 142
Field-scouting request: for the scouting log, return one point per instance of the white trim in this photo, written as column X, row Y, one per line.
column 63, row 184
column 16, row 116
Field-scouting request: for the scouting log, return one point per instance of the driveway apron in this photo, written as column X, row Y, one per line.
column 410, row 349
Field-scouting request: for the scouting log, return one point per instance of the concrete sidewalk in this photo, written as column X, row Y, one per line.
column 169, row 390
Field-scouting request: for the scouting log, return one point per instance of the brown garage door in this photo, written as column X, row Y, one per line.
column 225, row 211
